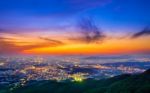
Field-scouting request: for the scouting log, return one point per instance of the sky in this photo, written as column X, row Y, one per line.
column 74, row 27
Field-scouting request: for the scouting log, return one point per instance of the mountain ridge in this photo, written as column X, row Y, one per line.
column 126, row 83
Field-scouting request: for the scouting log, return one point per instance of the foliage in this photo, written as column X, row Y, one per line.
column 120, row 84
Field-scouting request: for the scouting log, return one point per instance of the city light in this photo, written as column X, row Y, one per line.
column 78, row 77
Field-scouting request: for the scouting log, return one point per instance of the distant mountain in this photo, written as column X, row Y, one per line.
column 108, row 57
column 139, row 83
column 141, row 65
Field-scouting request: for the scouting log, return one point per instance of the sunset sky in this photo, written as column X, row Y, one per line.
column 74, row 26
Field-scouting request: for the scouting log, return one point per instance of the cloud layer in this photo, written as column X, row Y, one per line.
column 88, row 31
column 144, row 32
column 11, row 45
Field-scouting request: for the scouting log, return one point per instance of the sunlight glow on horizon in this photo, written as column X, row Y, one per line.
column 110, row 46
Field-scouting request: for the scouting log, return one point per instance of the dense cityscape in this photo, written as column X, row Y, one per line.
column 21, row 69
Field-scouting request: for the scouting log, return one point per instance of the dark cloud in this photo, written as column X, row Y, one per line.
column 52, row 41
column 3, row 30
column 89, row 32
column 145, row 31
column 8, row 30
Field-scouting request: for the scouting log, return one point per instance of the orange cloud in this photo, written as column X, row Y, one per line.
column 10, row 44
column 59, row 44
column 113, row 46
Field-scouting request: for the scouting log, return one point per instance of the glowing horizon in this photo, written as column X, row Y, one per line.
column 28, row 44
column 74, row 27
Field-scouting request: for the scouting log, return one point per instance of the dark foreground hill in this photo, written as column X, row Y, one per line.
column 120, row 84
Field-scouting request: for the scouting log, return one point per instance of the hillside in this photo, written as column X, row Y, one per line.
column 139, row 83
